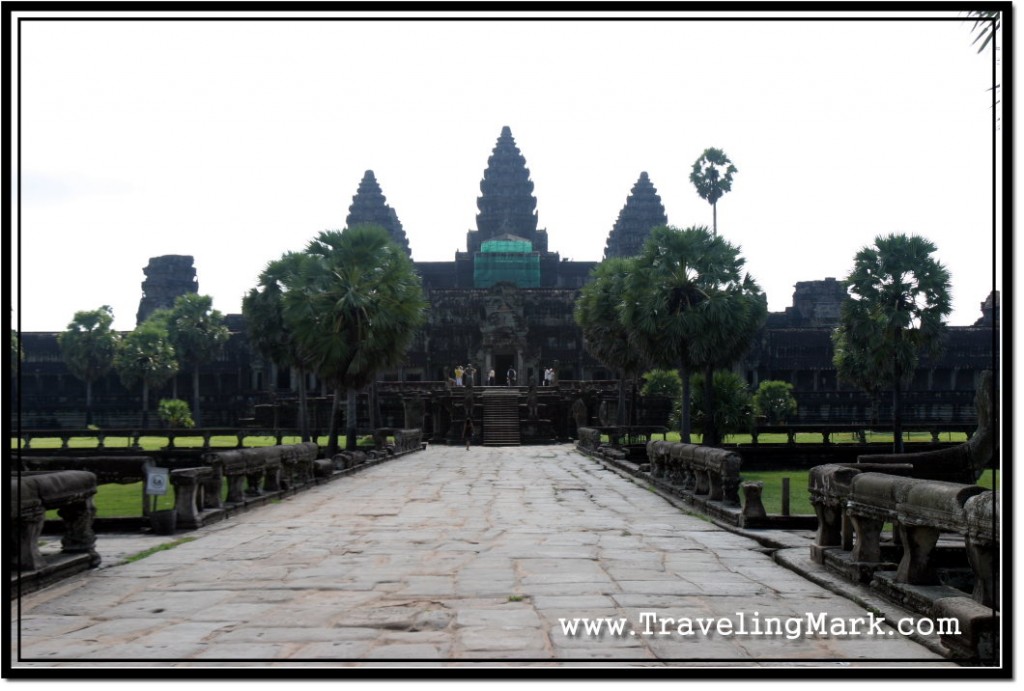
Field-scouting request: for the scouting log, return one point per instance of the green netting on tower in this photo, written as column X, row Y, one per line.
column 507, row 246
column 520, row 268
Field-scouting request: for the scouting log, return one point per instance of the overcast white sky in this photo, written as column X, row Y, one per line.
column 237, row 141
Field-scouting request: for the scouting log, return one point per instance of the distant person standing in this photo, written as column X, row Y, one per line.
column 547, row 376
column 510, row 377
column 491, row 379
column 467, row 431
column 470, row 375
column 458, row 375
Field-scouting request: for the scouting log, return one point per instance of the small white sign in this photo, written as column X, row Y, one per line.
column 157, row 480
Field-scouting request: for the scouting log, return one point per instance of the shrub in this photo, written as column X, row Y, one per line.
column 175, row 413
column 734, row 410
column 774, row 400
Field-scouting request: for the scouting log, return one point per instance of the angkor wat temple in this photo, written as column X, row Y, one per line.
column 506, row 302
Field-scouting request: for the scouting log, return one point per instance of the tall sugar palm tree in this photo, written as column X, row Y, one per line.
column 712, row 176
column 356, row 307
column 898, row 298
column 689, row 306
column 87, row 347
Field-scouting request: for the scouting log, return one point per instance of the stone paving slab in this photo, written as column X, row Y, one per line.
column 450, row 558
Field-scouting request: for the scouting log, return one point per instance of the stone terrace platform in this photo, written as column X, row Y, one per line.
column 450, row 557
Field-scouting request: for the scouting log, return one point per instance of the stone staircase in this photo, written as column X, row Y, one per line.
column 501, row 417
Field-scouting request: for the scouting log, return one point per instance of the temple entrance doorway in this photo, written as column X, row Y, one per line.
column 502, row 361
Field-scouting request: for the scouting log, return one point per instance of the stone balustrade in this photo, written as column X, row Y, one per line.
column 853, row 502
column 704, row 471
column 297, row 464
column 589, row 438
column 70, row 492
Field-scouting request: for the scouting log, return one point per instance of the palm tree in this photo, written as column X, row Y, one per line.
column 724, row 326
column 197, row 332
column 88, row 346
column 147, row 356
column 598, row 313
column 712, row 176
column 688, row 306
column 356, row 307
column 270, row 333
column 898, row 297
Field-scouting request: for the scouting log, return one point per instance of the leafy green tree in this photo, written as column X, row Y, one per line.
column 198, row 334
column 774, row 400
column 712, row 176
column 87, row 347
column 146, row 356
column 175, row 413
column 355, row 308
column 690, row 306
column 270, row 333
column 606, row 337
column 898, row 297
column 734, row 407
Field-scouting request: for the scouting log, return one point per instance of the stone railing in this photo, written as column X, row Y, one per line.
column 70, row 492
column 405, row 440
column 704, row 471
column 132, row 435
column 853, row 503
column 249, row 473
column 108, row 469
column 589, row 438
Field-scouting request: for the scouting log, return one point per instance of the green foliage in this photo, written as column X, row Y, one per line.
column 899, row 296
column 146, row 355
column 662, row 382
column 348, row 307
column 689, row 305
column 195, row 329
column 175, row 413
column 198, row 334
column 88, row 345
column 774, row 400
column 712, row 175
column 734, row 408
column 598, row 313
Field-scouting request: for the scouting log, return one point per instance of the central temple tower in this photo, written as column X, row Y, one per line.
column 507, row 247
column 506, row 202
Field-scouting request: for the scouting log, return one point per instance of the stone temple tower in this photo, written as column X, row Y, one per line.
column 642, row 212
column 167, row 277
column 369, row 205
column 506, row 203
